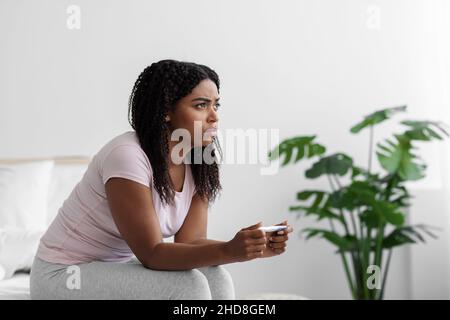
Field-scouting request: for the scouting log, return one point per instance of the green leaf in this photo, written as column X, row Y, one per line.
column 396, row 239
column 357, row 194
column 306, row 194
column 303, row 146
column 389, row 212
column 396, row 158
column 338, row 163
column 326, row 213
column 361, row 172
column 406, row 234
column 400, row 196
column 320, row 205
column 426, row 229
column 376, row 117
column 314, row 150
column 363, row 194
column 371, row 219
column 341, row 242
column 311, row 233
column 425, row 130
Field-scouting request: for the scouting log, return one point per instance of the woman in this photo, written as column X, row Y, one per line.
column 135, row 193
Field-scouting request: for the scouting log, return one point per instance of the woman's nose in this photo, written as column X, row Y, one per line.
column 213, row 116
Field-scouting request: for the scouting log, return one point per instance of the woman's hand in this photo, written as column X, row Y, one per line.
column 276, row 241
column 249, row 243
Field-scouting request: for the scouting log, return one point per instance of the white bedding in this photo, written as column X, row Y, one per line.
column 64, row 176
column 16, row 288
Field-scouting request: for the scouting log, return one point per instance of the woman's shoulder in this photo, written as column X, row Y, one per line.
column 127, row 140
column 123, row 156
column 125, row 148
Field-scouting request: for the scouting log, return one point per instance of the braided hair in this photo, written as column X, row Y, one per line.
column 154, row 94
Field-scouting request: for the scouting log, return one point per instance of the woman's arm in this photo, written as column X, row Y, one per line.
column 184, row 256
column 132, row 209
column 195, row 225
column 205, row 241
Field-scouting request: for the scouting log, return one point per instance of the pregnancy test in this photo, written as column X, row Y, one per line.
column 272, row 228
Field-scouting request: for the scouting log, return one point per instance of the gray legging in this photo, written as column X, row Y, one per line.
column 128, row 280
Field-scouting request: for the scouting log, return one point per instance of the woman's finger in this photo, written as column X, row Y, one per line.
column 277, row 245
column 256, row 233
column 257, row 241
column 279, row 238
column 257, row 248
column 279, row 251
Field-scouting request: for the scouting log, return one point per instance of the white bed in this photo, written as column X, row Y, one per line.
column 66, row 173
column 16, row 288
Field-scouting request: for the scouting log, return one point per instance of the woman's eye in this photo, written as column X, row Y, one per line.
column 205, row 105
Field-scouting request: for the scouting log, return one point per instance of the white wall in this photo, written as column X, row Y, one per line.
column 301, row 66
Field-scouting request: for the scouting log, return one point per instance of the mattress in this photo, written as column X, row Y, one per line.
column 16, row 288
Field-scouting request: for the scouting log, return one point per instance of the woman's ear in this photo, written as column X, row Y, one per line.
column 167, row 118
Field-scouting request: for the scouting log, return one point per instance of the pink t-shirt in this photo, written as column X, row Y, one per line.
column 84, row 229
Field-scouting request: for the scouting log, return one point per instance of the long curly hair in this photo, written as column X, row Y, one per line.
column 155, row 92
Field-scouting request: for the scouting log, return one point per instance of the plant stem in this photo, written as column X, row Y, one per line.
column 358, row 260
column 354, row 225
column 386, row 269
column 352, row 218
column 352, row 254
column 379, row 250
column 369, row 167
column 333, row 189
column 378, row 259
column 331, row 183
column 337, row 181
column 368, row 242
column 346, row 268
column 359, row 271
column 363, row 256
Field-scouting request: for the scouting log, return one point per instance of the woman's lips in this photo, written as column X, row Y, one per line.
column 211, row 132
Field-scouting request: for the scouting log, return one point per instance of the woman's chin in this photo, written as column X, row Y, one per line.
column 206, row 143
column 207, row 140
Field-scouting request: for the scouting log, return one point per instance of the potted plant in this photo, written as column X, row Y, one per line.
column 366, row 210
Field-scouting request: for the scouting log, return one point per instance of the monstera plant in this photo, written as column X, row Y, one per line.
column 366, row 210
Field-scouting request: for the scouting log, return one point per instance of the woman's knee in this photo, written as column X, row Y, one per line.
column 220, row 282
column 193, row 285
column 217, row 273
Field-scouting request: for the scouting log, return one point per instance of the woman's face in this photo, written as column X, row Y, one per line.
column 199, row 108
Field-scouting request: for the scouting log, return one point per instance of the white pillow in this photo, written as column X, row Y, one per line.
column 64, row 178
column 17, row 250
column 24, row 193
